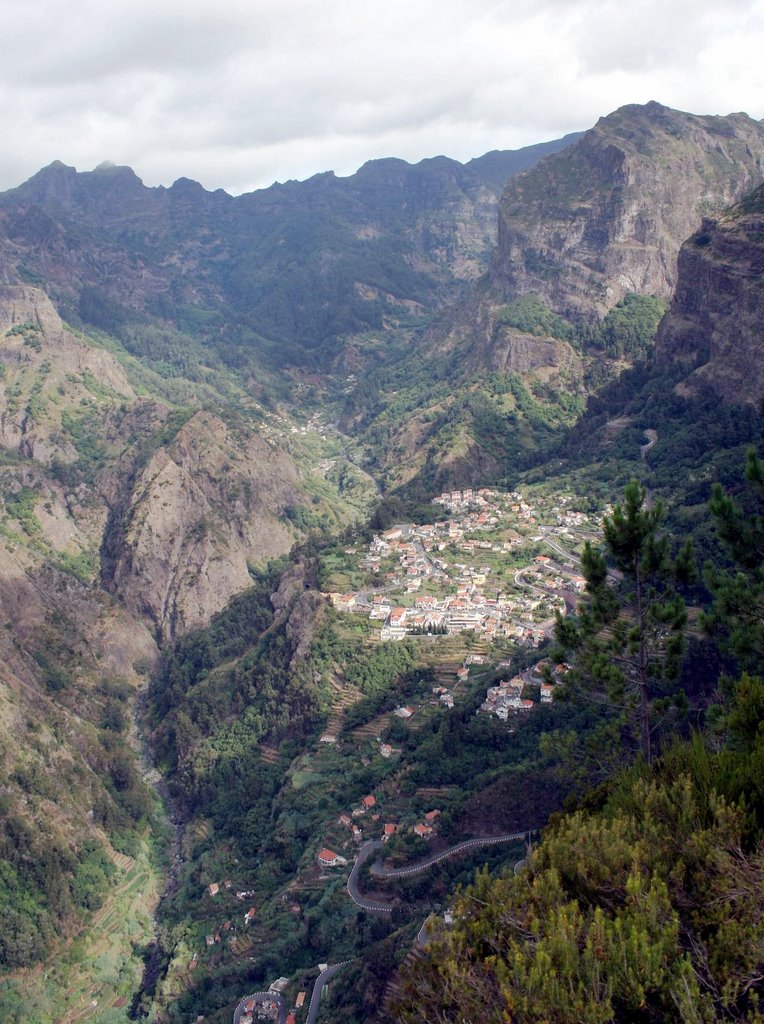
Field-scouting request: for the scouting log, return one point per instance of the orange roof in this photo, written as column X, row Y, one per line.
column 300, row 999
column 369, row 801
column 431, row 815
column 326, row 855
column 390, row 830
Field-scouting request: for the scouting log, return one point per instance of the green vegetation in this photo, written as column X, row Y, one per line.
column 737, row 613
column 647, row 904
column 625, row 644
column 628, row 329
column 20, row 506
column 531, row 315
column 646, row 900
column 42, row 885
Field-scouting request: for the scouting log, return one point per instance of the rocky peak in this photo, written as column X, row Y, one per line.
column 714, row 326
column 607, row 215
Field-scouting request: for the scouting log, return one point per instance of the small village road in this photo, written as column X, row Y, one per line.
column 271, row 997
column 652, row 437
column 364, row 853
column 321, row 981
column 422, row 865
column 560, row 550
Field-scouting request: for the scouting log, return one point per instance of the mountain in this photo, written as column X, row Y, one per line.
column 608, row 216
column 164, row 494
column 284, row 275
column 585, row 263
column 714, row 324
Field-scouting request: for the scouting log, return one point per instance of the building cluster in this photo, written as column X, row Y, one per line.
column 460, row 595
column 507, row 697
column 425, row 829
column 268, row 1006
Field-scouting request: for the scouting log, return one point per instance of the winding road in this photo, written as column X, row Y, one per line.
column 318, row 989
column 271, row 997
column 652, row 437
column 368, row 848
column 422, row 865
column 375, row 845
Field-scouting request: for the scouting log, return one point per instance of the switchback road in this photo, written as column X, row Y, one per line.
column 321, row 981
column 259, row 997
column 422, row 865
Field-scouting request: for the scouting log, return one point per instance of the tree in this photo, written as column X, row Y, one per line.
column 628, row 637
column 736, row 617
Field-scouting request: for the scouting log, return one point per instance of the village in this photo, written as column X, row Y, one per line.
column 480, row 585
column 496, row 566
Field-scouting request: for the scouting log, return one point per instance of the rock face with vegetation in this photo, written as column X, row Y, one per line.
column 714, row 325
column 174, row 504
column 274, row 277
column 607, row 216
column 204, row 506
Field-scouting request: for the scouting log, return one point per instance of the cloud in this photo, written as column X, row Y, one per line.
column 241, row 93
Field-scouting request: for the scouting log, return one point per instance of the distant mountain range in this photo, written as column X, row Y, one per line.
column 192, row 382
column 278, row 276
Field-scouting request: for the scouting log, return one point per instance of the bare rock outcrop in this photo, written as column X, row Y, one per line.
column 607, row 216
column 202, row 509
column 715, row 325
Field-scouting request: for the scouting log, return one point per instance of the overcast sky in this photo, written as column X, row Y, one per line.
column 240, row 93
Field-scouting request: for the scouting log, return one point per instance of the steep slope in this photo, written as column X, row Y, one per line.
column 275, row 276
column 607, row 217
column 586, row 258
column 167, row 503
column 715, row 325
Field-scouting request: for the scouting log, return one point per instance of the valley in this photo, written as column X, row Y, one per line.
column 317, row 579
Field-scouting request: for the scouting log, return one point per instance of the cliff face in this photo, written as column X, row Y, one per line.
column 205, row 506
column 174, row 505
column 608, row 215
column 715, row 325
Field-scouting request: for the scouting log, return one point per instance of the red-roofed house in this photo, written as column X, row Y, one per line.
column 330, row 859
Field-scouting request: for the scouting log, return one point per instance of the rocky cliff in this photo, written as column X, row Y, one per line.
column 168, row 506
column 715, row 325
column 272, row 277
column 607, row 216
column 204, row 507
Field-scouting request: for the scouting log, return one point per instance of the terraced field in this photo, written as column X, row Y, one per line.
column 99, row 970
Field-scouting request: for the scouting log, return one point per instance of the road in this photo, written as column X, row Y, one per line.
column 366, row 851
column 321, row 981
column 272, row 997
column 567, row 555
column 422, row 865
column 652, row 437
column 353, row 892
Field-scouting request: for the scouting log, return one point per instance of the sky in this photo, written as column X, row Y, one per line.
column 241, row 93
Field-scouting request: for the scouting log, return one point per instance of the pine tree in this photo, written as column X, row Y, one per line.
column 737, row 615
column 628, row 637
